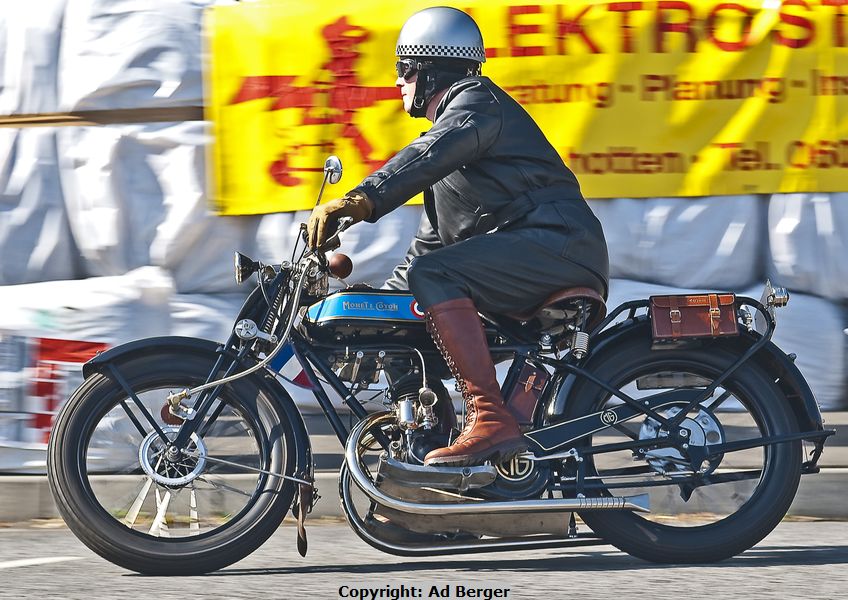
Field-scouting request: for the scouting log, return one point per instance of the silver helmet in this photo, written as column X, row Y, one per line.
column 441, row 32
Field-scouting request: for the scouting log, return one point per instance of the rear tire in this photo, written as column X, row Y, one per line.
column 674, row 541
column 210, row 541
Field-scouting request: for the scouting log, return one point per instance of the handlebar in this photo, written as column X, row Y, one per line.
column 333, row 241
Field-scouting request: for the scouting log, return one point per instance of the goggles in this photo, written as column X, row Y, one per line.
column 407, row 68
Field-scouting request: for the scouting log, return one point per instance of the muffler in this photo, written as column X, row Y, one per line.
column 638, row 503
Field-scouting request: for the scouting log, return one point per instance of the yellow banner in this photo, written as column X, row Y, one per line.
column 641, row 98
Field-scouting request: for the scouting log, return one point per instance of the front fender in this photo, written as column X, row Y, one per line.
column 186, row 345
column 771, row 358
column 135, row 348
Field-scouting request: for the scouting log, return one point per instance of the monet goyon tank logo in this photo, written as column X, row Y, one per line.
column 365, row 305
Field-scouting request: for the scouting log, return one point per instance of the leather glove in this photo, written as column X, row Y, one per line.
column 324, row 219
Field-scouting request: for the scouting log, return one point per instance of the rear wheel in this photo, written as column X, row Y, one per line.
column 124, row 496
column 691, row 523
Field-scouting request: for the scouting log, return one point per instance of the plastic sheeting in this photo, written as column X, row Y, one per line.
column 815, row 330
column 102, row 309
column 30, row 38
column 206, row 316
column 35, row 237
column 131, row 53
column 808, row 243
column 137, row 196
column 685, row 242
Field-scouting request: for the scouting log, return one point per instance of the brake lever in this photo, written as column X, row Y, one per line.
column 334, row 241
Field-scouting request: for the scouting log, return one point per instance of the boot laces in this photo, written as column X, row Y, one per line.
column 470, row 408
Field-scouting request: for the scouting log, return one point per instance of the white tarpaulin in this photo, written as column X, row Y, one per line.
column 131, row 54
column 815, row 330
column 685, row 242
column 35, row 237
column 808, row 243
column 206, row 316
column 100, row 309
column 136, row 196
column 30, row 36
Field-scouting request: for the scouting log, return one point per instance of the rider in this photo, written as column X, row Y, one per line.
column 505, row 224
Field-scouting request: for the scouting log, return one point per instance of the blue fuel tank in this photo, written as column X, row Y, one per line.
column 367, row 316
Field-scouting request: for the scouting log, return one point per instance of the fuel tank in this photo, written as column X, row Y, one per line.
column 367, row 316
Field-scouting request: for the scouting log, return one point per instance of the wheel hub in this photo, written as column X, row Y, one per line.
column 166, row 464
column 704, row 429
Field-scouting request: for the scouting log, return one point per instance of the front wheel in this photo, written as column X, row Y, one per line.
column 124, row 496
column 735, row 500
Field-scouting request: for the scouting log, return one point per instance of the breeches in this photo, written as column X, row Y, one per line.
column 502, row 272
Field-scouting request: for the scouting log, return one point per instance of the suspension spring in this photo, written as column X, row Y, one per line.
column 268, row 325
column 580, row 344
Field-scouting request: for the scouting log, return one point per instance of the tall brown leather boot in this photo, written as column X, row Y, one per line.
column 491, row 432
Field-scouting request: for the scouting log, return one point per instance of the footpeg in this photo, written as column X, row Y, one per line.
column 440, row 478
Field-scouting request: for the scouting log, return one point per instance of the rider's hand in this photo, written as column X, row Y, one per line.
column 324, row 219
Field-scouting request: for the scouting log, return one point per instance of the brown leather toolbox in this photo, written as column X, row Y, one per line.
column 695, row 316
column 524, row 396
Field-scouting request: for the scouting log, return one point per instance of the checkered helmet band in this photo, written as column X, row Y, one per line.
column 441, row 32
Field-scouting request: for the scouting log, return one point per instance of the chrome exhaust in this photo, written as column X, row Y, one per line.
column 446, row 545
column 638, row 503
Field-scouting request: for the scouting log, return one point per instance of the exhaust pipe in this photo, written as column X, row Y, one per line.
column 638, row 503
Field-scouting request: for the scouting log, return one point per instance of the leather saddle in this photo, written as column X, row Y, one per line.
column 565, row 305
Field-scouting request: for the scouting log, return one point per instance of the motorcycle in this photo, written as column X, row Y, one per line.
column 181, row 456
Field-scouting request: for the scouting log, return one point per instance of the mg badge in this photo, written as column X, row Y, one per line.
column 608, row 417
column 515, row 469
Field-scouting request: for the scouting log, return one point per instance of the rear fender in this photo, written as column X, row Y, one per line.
column 185, row 345
column 771, row 358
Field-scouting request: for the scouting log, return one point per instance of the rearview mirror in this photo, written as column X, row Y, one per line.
column 333, row 169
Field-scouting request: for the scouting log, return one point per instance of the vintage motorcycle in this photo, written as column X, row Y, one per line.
column 673, row 427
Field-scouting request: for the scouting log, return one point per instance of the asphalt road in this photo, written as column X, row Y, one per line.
column 798, row 560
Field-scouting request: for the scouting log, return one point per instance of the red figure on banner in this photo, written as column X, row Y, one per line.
column 343, row 96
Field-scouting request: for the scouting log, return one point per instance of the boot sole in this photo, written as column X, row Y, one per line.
column 496, row 454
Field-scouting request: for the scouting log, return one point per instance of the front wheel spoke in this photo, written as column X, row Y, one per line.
column 193, row 521
column 132, row 514
column 160, row 526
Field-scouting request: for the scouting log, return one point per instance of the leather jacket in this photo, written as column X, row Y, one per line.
column 485, row 165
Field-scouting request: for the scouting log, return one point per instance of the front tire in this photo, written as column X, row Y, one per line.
column 759, row 409
column 133, row 519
